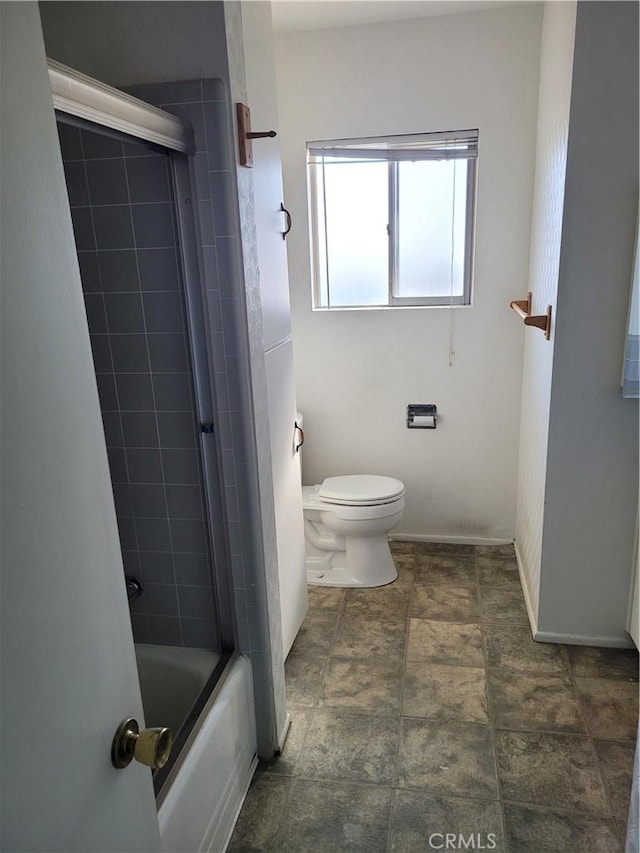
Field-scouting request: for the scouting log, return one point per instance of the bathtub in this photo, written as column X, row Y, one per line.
column 171, row 679
column 201, row 796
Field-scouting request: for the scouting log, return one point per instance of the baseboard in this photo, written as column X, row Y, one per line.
column 615, row 642
column 611, row 642
column 282, row 737
column 533, row 618
column 449, row 540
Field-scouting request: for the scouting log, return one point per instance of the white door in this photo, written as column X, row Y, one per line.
column 68, row 668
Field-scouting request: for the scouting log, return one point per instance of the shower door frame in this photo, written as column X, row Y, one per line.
column 91, row 102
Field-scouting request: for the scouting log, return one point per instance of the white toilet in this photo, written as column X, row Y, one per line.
column 346, row 522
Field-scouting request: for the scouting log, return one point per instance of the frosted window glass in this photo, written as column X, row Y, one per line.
column 431, row 226
column 357, row 214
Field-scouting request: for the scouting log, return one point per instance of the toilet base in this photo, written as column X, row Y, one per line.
column 321, row 572
column 337, row 577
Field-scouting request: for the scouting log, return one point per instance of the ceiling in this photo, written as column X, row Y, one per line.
column 296, row 15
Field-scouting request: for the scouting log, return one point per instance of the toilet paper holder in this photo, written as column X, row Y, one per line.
column 422, row 416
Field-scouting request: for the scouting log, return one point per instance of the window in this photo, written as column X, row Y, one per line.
column 392, row 219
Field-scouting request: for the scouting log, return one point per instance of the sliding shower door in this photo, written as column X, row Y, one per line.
column 138, row 261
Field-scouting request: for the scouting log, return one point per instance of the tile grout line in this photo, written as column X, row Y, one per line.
column 593, row 739
column 598, row 763
column 490, row 710
column 399, row 729
column 326, row 663
column 312, row 714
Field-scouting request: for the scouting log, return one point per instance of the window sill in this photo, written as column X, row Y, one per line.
column 335, row 309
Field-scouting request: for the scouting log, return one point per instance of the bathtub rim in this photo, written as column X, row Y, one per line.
column 162, row 779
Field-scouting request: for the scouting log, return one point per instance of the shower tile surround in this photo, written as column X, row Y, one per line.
column 445, row 718
column 124, row 222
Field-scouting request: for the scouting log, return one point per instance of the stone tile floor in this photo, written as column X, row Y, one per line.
column 424, row 708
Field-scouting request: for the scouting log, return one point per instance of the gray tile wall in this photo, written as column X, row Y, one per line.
column 123, row 214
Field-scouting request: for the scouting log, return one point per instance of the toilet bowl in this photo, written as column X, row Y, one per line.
column 346, row 522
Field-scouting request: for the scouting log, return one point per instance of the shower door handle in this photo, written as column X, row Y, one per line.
column 151, row 747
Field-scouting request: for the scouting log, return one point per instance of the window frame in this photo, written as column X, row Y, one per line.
column 320, row 282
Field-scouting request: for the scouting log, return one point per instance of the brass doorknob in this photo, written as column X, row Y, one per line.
column 149, row 746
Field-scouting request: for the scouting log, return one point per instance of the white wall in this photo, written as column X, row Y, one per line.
column 556, row 66
column 357, row 370
column 592, row 463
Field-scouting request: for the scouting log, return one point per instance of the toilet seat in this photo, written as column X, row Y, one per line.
column 360, row 490
column 311, row 501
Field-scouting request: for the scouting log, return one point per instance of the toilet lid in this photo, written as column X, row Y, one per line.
column 360, row 489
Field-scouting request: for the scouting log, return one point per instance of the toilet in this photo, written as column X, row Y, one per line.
column 346, row 522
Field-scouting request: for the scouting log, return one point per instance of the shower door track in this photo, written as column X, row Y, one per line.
column 73, row 93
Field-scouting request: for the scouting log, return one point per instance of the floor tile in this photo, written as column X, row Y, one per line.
column 321, row 818
column 616, row 765
column 286, row 764
column 327, row 597
column 303, row 677
column 535, row 830
column 257, row 826
column 523, row 701
column 445, row 642
column 362, row 636
column 498, row 572
column 404, row 564
column 316, row 633
column 438, row 569
column 611, row 707
column 547, row 769
column 505, row 550
column 392, row 600
column 403, row 560
column 406, row 575
column 350, row 747
column 503, row 604
column 421, row 822
column 447, row 758
column 373, row 687
column 441, row 692
column 450, row 603
column 511, row 647
column 591, row 662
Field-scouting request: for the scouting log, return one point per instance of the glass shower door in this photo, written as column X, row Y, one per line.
column 135, row 238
